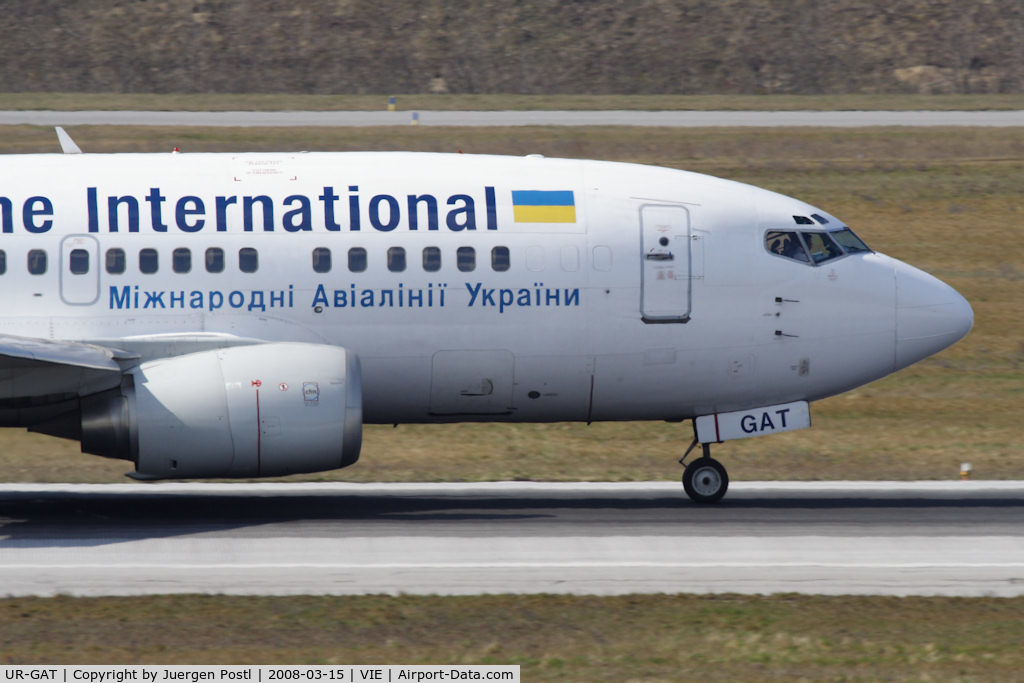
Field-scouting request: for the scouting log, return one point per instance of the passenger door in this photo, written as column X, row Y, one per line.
column 665, row 267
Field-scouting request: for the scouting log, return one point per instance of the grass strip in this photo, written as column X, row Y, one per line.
column 637, row 637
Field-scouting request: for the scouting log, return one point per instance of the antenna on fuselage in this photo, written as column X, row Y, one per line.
column 67, row 145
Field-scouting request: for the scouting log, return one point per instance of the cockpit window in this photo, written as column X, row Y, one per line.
column 850, row 242
column 785, row 243
column 814, row 247
column 821, row 246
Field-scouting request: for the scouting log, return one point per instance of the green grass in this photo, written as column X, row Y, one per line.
column 409, row 102
column 947, row 200
column 552, row 637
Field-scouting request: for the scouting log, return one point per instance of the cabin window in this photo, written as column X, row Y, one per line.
column 465, row 259
column 37, row 262
column 787, row 244
column 214, row 260
column 357, row 259
column 78, row 262
column 115, row 261
column 396, row 259
column 181, row 260
column 321, row 260
column 602, row 258
column 148, row 261
column 431, row 259
column 248, row 260
column 821, row 246
column 500, row 259
column 3, row 261
column 849, row 241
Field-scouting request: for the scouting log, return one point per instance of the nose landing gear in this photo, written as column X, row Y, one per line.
column 705, row 479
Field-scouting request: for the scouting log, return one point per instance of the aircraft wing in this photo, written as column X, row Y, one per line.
column 40, row 367
column 16, row 351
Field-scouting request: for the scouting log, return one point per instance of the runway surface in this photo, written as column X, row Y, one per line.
column 918, row 538
column 694, row 119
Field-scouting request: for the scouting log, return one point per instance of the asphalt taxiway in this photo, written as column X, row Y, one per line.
column 892, row 538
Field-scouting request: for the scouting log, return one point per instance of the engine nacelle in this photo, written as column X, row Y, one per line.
column 245, row 411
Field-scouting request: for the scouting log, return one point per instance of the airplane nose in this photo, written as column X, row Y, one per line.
column 930, row 315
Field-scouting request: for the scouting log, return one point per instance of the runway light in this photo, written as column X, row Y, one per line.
column 391, row 103
column 965, row 470
column 415, row 118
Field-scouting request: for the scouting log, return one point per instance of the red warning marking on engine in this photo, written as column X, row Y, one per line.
column 283, row 386
column 256, row 383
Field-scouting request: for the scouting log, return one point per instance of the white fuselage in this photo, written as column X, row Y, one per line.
column 651, row 296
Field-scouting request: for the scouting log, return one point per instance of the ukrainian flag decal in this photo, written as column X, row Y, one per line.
column 543, row 206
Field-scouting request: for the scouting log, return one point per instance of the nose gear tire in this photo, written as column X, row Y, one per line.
column 705, row 480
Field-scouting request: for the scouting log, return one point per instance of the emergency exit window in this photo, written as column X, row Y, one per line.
column 78, row 261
